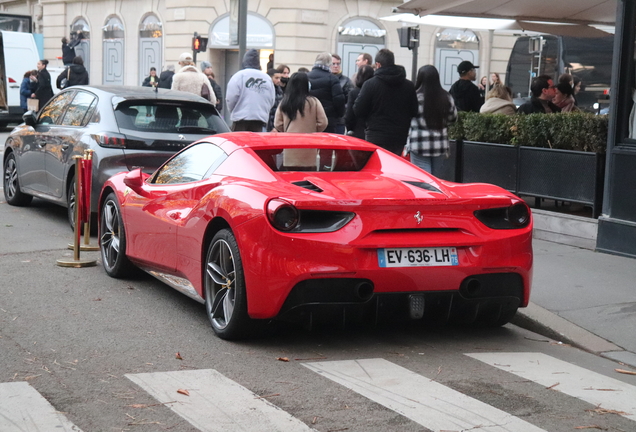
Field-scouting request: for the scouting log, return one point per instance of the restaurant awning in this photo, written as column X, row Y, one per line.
column 563, row 11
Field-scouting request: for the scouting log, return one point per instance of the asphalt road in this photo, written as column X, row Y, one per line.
column 117, row 355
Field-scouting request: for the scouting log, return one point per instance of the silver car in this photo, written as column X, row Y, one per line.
column 126, row 127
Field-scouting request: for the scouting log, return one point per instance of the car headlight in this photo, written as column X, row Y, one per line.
column 285, row 217
column 514, row 216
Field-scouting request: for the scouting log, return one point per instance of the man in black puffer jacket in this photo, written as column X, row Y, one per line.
column 387, row 103
column 325, row 86
column 75, row 74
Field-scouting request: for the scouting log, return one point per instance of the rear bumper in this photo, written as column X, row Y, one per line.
column 477, row 296
column 284, row 272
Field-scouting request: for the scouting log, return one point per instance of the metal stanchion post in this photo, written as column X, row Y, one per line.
column 77, row 234
column 87, row 172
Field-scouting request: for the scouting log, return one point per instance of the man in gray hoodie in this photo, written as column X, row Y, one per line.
column 250, row 95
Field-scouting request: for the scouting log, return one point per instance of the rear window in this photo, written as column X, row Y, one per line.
column 170, row 118
column 312, row 159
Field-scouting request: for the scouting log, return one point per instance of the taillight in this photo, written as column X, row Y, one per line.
column 282, row 215
column 514, row 216
column 518, row 214
column 111, row 140
column 11, row 80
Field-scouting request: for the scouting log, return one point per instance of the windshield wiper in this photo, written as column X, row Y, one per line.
column 195, row 129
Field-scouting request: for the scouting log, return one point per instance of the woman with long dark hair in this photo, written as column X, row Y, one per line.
column 429, row 129
column 298, row 111
column 354, row 126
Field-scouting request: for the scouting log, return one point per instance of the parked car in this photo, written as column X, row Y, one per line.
column 127, row 127
column 294, row 226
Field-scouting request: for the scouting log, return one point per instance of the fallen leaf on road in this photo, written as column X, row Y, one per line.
column 310, row 358
column 283, row 359
column 183, row 392
column 606, row 411
column 178, row 356
column 590, row 388
column 590, row 427
column 623, row 371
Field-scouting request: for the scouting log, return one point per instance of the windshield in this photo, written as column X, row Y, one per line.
column 313, row 159
column 148, row 116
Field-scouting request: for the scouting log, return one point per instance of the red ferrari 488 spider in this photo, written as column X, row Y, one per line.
column 263, row 226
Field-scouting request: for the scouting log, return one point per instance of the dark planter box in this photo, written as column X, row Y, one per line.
column 446, row 168
column 562, row 175
column 490, row 163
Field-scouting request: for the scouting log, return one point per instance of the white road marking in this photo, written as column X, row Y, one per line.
column 566, row 378
column 422, row 400
column 216, row 403
column 23, row 409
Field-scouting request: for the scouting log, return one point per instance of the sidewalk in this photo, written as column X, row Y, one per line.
column 583, row 298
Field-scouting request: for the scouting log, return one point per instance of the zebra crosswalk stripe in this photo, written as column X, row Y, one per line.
column 567, row 378
column 23, row 409
column 216, row 403
column 422, row 400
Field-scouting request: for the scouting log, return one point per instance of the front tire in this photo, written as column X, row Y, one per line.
column 12, row 192
column 225, row 296
column 112, row 240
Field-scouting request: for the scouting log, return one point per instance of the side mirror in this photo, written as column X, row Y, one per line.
column 135, row 180
column 29, row 118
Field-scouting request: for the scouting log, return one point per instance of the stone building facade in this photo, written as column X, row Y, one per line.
column 124, row 38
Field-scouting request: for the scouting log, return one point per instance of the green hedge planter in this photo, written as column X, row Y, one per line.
column 555, row 156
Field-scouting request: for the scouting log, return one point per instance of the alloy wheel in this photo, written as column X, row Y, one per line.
column 109, row 239
column 221, row 284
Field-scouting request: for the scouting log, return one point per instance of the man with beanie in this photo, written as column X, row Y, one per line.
column 192, row 80
column 250, row 95
column 325, row 86
column 464, row 92
column 386, row 103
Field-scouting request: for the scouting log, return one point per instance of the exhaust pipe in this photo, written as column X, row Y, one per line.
column 363, row 290
column 472, row 287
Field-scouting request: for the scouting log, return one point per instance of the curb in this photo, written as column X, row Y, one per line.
column 542, row 321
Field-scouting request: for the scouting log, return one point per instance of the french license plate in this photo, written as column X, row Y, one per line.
column 417, row 257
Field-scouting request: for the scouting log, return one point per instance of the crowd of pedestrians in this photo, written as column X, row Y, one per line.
column 377, row 104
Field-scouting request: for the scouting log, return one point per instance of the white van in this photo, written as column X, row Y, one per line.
column 18, row 54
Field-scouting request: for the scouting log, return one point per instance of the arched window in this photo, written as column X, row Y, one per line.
column 452, row 47
column 260, row 33
column 150, row 45
column 82, row 49
column 113, row 37
column 357, row 36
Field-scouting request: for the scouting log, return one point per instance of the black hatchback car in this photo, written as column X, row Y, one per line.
column 126, row 127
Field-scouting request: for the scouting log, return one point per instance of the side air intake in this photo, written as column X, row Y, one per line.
column 307, row 185
column 422, row 185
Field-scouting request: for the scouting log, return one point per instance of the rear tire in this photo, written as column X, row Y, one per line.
column 499, row 316
column 12, row 192
column 225, row 296
column 112, row 240
column 70, row 201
